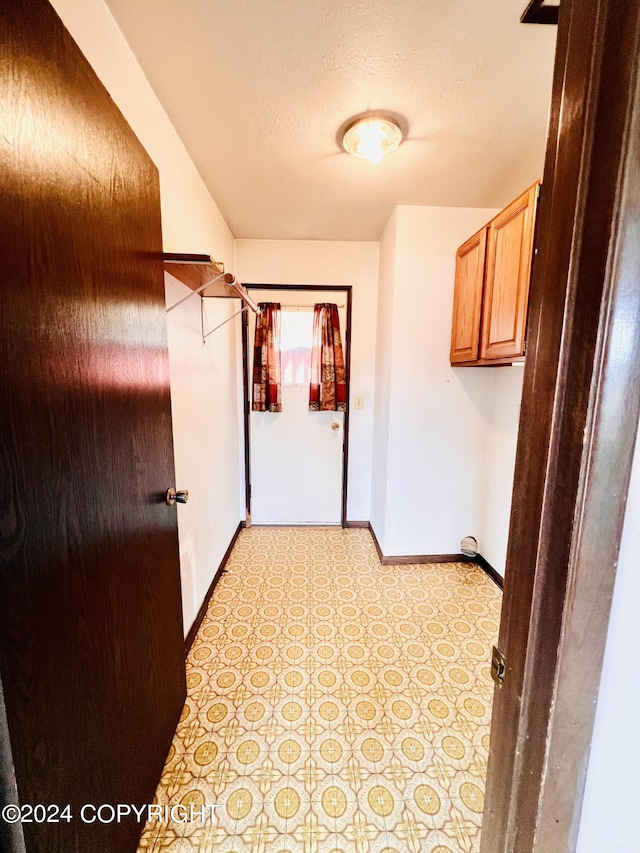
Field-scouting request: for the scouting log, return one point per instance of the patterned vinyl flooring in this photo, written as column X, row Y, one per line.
column 335, row 705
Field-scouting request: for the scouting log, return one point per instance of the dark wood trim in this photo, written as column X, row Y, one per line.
column 601, row 382
column 302, row 526
column 318, row 287
column 537, row 13
column 178, row 258
column 488, row 569
column 580, row 409
column 246, row 414
column 188, row 642
column 490, row 362
column 345, row 444
column 359, row 525
column 332, row 288
column 376, row 543
column 416, row 559
column 426, row 559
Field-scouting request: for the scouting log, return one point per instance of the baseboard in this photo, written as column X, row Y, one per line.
column 426, row 559
column 188, row 642
column 488, row 569
column 375, row 542
column 355, row 524
column 415, row 559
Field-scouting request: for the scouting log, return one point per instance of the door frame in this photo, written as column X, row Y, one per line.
column 578, row 424
column 323, row 288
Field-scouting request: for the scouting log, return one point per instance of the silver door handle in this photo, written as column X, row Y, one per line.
column 180, row 497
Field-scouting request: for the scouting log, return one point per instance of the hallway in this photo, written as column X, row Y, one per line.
column 334, row 704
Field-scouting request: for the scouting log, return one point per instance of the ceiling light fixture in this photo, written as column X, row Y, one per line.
column 372, row 138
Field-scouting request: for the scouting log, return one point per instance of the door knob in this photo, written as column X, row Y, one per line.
column 180, row 497
column 335, row 425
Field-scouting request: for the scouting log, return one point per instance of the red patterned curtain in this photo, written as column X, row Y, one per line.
column 266, row 359
column 328, row 389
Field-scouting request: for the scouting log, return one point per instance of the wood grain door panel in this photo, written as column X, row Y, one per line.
column 91, row 645
column 509, row 253
column 467, row 300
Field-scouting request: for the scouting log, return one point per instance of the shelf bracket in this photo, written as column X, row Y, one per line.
column 205, row 335
column 196, row 291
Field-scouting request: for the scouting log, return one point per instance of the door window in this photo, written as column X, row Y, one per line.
column 296, row 337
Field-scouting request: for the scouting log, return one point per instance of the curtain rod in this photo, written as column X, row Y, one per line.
column 309, row 307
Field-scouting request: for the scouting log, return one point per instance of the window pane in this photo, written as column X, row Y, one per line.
column 296, row 330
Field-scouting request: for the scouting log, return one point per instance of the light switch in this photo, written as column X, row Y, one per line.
column 359, row 402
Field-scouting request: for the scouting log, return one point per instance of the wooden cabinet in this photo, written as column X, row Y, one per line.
column 467, row 300
column 493, row 269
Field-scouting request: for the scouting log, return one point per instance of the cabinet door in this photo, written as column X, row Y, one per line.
column 467, row 300
column 509, row 252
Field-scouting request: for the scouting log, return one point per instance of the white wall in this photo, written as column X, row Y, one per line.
column 191, row 221
column 610, row 817
column 203, row 380
column 317, row 262
column 384, row 341
column 438, row 416
column 499, row 462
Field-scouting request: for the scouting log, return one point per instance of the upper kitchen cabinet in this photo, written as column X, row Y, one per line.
column 492, row 287
column 467, row 302
column 508, row 271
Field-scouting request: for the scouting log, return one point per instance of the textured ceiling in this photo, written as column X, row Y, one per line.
column 258, row 89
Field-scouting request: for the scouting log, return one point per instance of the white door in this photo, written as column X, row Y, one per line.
column 296, row 455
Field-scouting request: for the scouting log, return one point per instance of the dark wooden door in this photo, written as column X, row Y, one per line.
column 91, row 646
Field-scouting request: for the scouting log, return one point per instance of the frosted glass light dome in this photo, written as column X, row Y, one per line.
column 372, row 138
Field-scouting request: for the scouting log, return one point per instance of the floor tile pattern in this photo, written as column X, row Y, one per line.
column 335, row 705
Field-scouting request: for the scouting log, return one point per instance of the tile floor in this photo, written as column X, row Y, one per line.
column 334, row 704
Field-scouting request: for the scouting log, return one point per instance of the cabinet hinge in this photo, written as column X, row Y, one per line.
column 498, row 666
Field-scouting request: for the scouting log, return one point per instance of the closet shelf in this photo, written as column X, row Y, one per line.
column 196, row 270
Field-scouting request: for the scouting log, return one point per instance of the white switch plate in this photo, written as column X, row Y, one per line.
column 359, row 402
